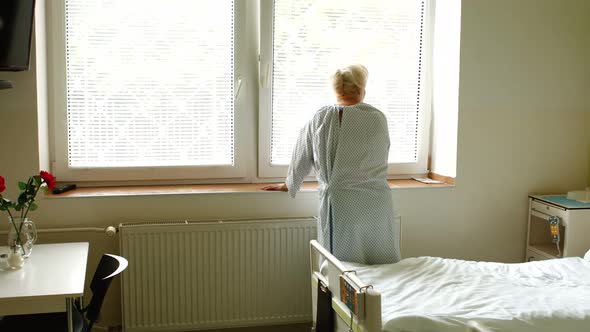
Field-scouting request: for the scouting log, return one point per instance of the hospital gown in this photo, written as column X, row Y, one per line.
column 350, row 159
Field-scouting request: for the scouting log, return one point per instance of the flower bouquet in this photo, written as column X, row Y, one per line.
column 22, row 233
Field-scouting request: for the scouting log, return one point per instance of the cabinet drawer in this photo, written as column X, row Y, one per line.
column 548, row 210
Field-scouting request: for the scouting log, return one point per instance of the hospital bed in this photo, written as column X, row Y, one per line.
column 436, row 294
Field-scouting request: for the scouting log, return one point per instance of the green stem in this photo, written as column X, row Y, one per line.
column 18, row 240
column 24, row 193
column 32, row 200
column 20, row 228
column 23, row 213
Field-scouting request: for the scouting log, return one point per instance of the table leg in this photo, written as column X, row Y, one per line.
column 69, row 307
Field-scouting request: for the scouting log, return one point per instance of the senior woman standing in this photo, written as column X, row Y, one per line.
column 348, row 145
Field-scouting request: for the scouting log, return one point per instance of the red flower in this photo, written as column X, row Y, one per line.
column 48, row 178
column 2, row 184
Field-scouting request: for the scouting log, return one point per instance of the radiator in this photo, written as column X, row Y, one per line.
column 185, row 275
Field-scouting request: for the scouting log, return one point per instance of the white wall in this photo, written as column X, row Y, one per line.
column 524, row 128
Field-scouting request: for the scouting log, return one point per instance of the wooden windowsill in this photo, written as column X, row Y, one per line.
column 154, row 190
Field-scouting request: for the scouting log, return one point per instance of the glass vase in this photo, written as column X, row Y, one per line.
column 22, row 233
column 16, row 260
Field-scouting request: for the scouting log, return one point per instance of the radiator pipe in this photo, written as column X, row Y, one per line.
column 109, row 231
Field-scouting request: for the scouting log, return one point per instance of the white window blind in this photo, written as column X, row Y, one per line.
column 312, row 38
column 149, row 83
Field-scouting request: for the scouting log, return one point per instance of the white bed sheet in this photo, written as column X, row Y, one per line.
column 435, row 294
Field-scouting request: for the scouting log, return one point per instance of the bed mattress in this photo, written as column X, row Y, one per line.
column 436, row 294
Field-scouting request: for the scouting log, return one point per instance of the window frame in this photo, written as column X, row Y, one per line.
column 395, row 170
column 253, row 28
column 56, row 55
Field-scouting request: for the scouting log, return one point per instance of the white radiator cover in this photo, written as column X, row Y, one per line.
column 201, row 275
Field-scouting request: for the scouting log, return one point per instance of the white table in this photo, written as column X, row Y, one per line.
column 51, row 278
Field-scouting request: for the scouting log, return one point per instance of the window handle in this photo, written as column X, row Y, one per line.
column 238, row 88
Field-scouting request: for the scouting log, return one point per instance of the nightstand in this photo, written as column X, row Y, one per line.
column 573, row 218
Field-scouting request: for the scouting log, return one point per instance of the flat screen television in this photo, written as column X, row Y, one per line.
column 16, row 28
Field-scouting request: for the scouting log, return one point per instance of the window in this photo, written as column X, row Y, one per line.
column 137, row 94
column 148, row 85
column 164, row 90
column 311, row 38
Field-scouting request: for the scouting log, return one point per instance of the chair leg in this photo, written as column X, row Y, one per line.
column 80, row 324
column 69, row 314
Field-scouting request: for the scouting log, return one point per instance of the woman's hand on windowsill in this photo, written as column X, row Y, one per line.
column 276, row 187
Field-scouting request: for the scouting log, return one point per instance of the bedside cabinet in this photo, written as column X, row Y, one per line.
column 573, row 220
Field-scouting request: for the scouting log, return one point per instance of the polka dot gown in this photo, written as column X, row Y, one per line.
column 350, row 158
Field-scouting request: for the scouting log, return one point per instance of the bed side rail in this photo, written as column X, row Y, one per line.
column 370, row 319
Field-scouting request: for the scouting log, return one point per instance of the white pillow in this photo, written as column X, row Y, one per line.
column 587, row 256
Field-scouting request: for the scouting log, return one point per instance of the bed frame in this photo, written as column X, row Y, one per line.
column 328, row 269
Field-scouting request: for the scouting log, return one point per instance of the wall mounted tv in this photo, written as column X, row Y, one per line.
column 16, row 27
